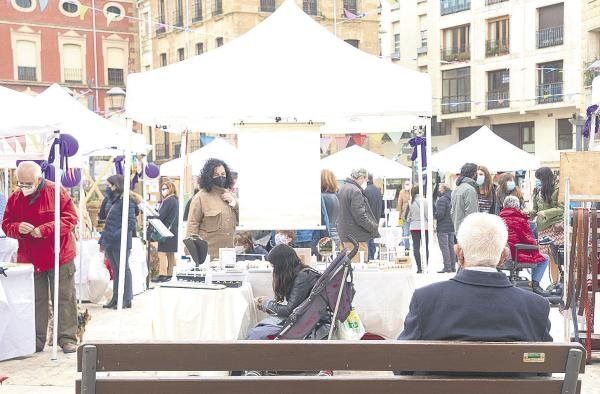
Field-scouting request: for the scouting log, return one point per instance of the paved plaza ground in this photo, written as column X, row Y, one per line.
column 38, row 374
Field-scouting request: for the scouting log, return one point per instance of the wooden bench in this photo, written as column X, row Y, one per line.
column 472, row 359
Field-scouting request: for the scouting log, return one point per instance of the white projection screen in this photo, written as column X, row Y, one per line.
column 279, row 179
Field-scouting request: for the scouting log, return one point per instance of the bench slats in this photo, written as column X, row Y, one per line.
column 333, row 355
column 303, row 385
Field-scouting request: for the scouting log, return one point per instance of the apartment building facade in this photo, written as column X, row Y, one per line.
column 45, row 42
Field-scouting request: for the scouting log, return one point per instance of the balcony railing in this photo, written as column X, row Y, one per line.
column 498, row 99
column 217, row 7
column 491, row 2
column 452, row 6
column 161, row 152
column 456, row 54
column 160, row 25
column 550, row 37
column 550, row 93
column 194, row 145
column 311, row 7
column 455, row 104
column 197, row 11
column 496, row 47
column 72, row 75
column 267, row 5
column 115, row 76
column 27, row 73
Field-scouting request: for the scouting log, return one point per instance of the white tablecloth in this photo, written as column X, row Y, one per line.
column 91, row 251
column 199, row 314
column 382, row 298
column 17, row 312
column 8, row 249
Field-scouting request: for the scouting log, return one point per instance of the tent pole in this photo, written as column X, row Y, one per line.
column 421, row 250
column 334, row 18
column 81, row 231
column 428, row 148
column 6, row 183
column 182, row 180
column 57, row 175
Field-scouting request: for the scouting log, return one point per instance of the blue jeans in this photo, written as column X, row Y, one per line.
column 371, row 249
column 537, row 273
column 406, row 235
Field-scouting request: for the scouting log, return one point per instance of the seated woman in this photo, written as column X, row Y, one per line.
column 519, row 233
column 292, row 282
column 245, row 249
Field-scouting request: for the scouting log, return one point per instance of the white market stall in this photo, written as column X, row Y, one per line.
column 217, row 148
column 484, row 147
column 344, row 161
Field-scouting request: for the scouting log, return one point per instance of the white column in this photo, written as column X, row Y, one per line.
column 57, row 175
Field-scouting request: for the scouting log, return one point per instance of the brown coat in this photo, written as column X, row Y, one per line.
column 403, row 202
column 213, row 220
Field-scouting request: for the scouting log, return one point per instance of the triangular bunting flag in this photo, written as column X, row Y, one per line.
column 82, row 10
column 359, row 139
column 22, row 141
column 12, row 142
column 325, row 142
column 386, row 138
column 375, row 139
column 206, row 139
column 43, row 4
column 395, row 137
column 341, row 142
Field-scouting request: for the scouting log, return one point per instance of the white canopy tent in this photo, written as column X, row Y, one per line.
column 217, row 148
column 484, row 147
column 344, row 161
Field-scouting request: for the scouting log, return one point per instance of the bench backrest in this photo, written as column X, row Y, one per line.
column 467, row 358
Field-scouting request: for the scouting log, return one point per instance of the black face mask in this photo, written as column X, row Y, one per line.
column 220, row 181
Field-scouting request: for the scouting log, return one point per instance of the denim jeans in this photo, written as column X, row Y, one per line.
column 537, row 273
column 406, row 235
column 372, row 249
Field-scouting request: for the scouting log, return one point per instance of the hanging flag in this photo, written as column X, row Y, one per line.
column 375, row 139
column 385, row 138
column 325, row 142
column 395, row 137
column 43, row 5
column 359, row 139
column 22, row 141
column 349, row 15
column 12, row 142
column 341, row 142
column 82, row 10
column 206, row 139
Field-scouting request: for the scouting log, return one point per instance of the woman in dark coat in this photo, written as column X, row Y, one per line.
column 168, row 213
column 110, row 240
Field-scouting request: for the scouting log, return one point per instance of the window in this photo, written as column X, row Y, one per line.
column 199, row 48
column 550, row 25
column 217, row 7
column 464, row 132
column 439, row 127
column 219, row 42
column 396, row 53
column 24, row 5
column 161, row 28
column 498, row 89
column 497, row 36
column 267, row 5
column 521, row 135
column 116, row 63
column 423, row 35
column 26, row 60
column 350, row 5
column 550, row 82
column 354, row 43
column 177, row 150
column 452, row 6
column 181, row 54
column 163, row 59
column 114, row 11
column 456, row 90
column 455, row 44
column 69, row 7
column 72, row 63
column 564, row 134
column 197, row 11
column 178, row 15
column 310, row 7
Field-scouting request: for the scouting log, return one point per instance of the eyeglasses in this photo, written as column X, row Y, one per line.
column 25, row 185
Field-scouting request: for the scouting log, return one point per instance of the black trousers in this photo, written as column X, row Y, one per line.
column 416, row 238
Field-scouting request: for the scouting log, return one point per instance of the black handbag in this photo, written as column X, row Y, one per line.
column 155, row 236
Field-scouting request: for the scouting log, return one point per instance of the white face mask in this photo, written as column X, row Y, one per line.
column 281, row 239
column 364, row 185
column 28, row 191
column 165, row 193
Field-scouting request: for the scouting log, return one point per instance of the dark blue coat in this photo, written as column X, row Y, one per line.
column 477, row 306
column 111, row 235
column 168, row 213
column 442, row 213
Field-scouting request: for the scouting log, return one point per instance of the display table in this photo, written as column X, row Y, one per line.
column 382, row 298
column 91, row 253
column 8, row 249
column 17, row 311
column 198, row 314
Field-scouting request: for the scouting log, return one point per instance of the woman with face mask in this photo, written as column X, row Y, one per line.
column 508, row 187
column 547, row 211
column 486, row 191
column 168, row 214
column 214, row 209
column 245, row 249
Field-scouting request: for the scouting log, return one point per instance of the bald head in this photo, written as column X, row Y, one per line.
column 29, row 176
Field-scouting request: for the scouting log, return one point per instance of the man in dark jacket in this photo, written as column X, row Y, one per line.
column 356, row 218
column 375, row 200
column 29, row 218
column 479, row 303
column 445, row 227
column 465, row 200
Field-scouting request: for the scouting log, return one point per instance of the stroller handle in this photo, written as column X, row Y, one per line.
column 354, row 247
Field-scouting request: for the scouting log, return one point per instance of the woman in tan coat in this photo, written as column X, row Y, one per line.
column 214, row 209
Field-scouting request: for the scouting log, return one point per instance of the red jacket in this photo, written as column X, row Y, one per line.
column 38, row 210
column 520, row 233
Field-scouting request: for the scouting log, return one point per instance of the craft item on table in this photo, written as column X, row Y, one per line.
column 227, row 257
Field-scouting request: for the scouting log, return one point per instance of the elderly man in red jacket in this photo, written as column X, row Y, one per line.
column 29, row 218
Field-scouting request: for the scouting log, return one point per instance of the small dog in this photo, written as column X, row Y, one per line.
column 82, row 320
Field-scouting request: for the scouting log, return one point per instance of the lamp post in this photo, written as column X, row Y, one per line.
column 116, row 97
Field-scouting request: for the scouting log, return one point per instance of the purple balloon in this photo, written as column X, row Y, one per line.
column 69, row 144
column 71, row 178
column 152, row 170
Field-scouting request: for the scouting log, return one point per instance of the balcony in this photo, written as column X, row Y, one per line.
column 26, row 73
column 455, row 104
column 550, row 37
column 310, row 7
column 452, row 6
column 498, row 99
column 550, row 93
column 197, row 11
column 161, row 152
column 456, row 54
column 115, row 76
column 72, row 75
column 496, row 48
column 267, row 5
column 160, row 26
column 492, row 2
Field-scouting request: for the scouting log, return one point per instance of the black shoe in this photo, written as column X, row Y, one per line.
column 165, row 278
column 535, row 286
column 443, row 271
column 419, row 271
column 110, row 305
column 125, row 305
column 157, row 279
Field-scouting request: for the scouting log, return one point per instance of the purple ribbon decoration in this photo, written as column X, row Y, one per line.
column 119, row 160
column 417, row 142
column 588, row 121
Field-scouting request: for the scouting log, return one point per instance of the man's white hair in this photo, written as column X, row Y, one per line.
column 482, row 238
column 30, row 167
column 511, row 202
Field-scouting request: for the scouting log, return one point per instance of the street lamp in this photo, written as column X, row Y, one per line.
column 116, row 96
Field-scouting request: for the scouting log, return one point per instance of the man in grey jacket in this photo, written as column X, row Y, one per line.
column 356, row 218
column 464, row 198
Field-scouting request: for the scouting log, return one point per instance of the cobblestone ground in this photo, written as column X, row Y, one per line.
column 38, row 374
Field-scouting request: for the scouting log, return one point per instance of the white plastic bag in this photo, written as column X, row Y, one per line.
column 352, row 329
column 98, row 279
